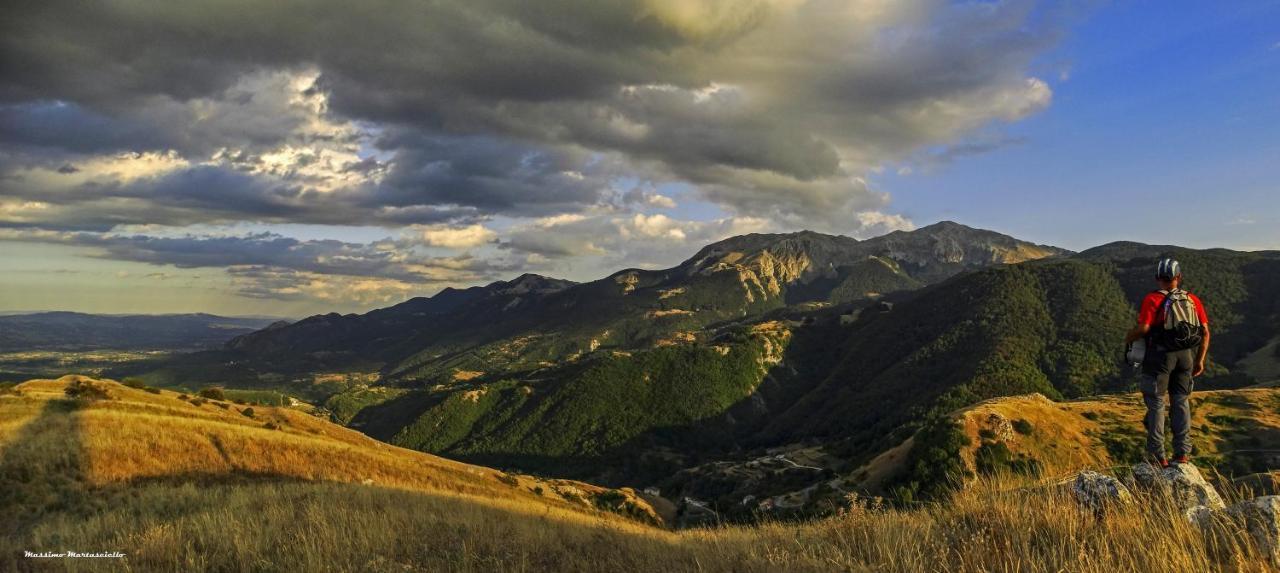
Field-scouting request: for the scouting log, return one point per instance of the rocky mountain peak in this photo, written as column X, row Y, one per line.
column 933, row 252
column 529, row 283
column 799, row 249
column 946, row 247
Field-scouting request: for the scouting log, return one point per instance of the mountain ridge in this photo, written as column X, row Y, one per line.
column 763, row 264
column 799, row 340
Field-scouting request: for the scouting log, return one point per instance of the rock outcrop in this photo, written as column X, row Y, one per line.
column 1189, row 488
column 1261, row 517
column 1183, row 485
column 1097, row 491
column 1197, row 499
column 1000, row 428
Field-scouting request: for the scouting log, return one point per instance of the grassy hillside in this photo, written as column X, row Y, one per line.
column 1030, row 437
column 83, row 454
column 177, row 486
column 1232, row 433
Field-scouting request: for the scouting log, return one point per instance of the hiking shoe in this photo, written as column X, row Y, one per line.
column 1181, row 460
column 1161, row 463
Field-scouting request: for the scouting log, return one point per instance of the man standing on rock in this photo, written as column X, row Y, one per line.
column 1175, row 328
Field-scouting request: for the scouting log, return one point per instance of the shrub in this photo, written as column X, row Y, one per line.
column 183, row 397
column 569, row 495
column 1022, row 427
column 247, row 412
column 610, row 499
column 509, row 479
column 271, row 426
column 134, row 382
column 152, row 390
column 197, row 402
column 222, row 405
column 213, row 393
column 84, row 390
column 995, row 457
column 1090, row 415
column 8, row 388
column 537, row 490
column 934, row 466
column 1223, row 419
column 238, row 401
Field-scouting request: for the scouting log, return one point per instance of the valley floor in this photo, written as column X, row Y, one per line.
column 115, row 475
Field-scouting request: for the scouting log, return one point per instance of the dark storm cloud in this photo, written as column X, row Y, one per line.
column 72, row 128
column 491, row 175
column 253, row 114
column 769, row 107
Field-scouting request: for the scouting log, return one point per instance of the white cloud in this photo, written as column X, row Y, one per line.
column 455, row 237
column 875, row 223
column 612, row 239
column 289, row 284
column 558, row 220
column 651, row 226
column 661, row 201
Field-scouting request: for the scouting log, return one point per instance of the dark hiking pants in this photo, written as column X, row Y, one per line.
column 1168, row 372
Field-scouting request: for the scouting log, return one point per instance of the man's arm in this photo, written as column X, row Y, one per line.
column 1141, row 330
column 1146, row 315
column 1204, row 353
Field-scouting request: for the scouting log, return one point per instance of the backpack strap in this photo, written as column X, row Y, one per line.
column 1162, row 314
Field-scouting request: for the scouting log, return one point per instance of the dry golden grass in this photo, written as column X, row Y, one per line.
column 137, row 435
column 1069, row 436
column 218, row 509
column 263, row 526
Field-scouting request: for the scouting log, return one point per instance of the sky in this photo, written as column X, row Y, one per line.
column 296, row 157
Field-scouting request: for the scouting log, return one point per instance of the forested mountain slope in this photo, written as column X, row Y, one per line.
column 841, row 347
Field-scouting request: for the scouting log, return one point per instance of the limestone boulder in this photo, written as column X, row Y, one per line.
column 1097, row 492
column 1189, row 489
column 1181, row 483
column 1261, row 517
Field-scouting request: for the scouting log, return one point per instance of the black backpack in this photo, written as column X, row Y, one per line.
column 1180, row 328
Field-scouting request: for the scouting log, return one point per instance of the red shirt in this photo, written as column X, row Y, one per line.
column 1149, row 312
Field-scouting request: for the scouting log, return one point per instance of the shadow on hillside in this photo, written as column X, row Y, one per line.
column 42, row 470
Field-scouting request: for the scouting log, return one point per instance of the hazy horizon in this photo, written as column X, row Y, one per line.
column 18, row 311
